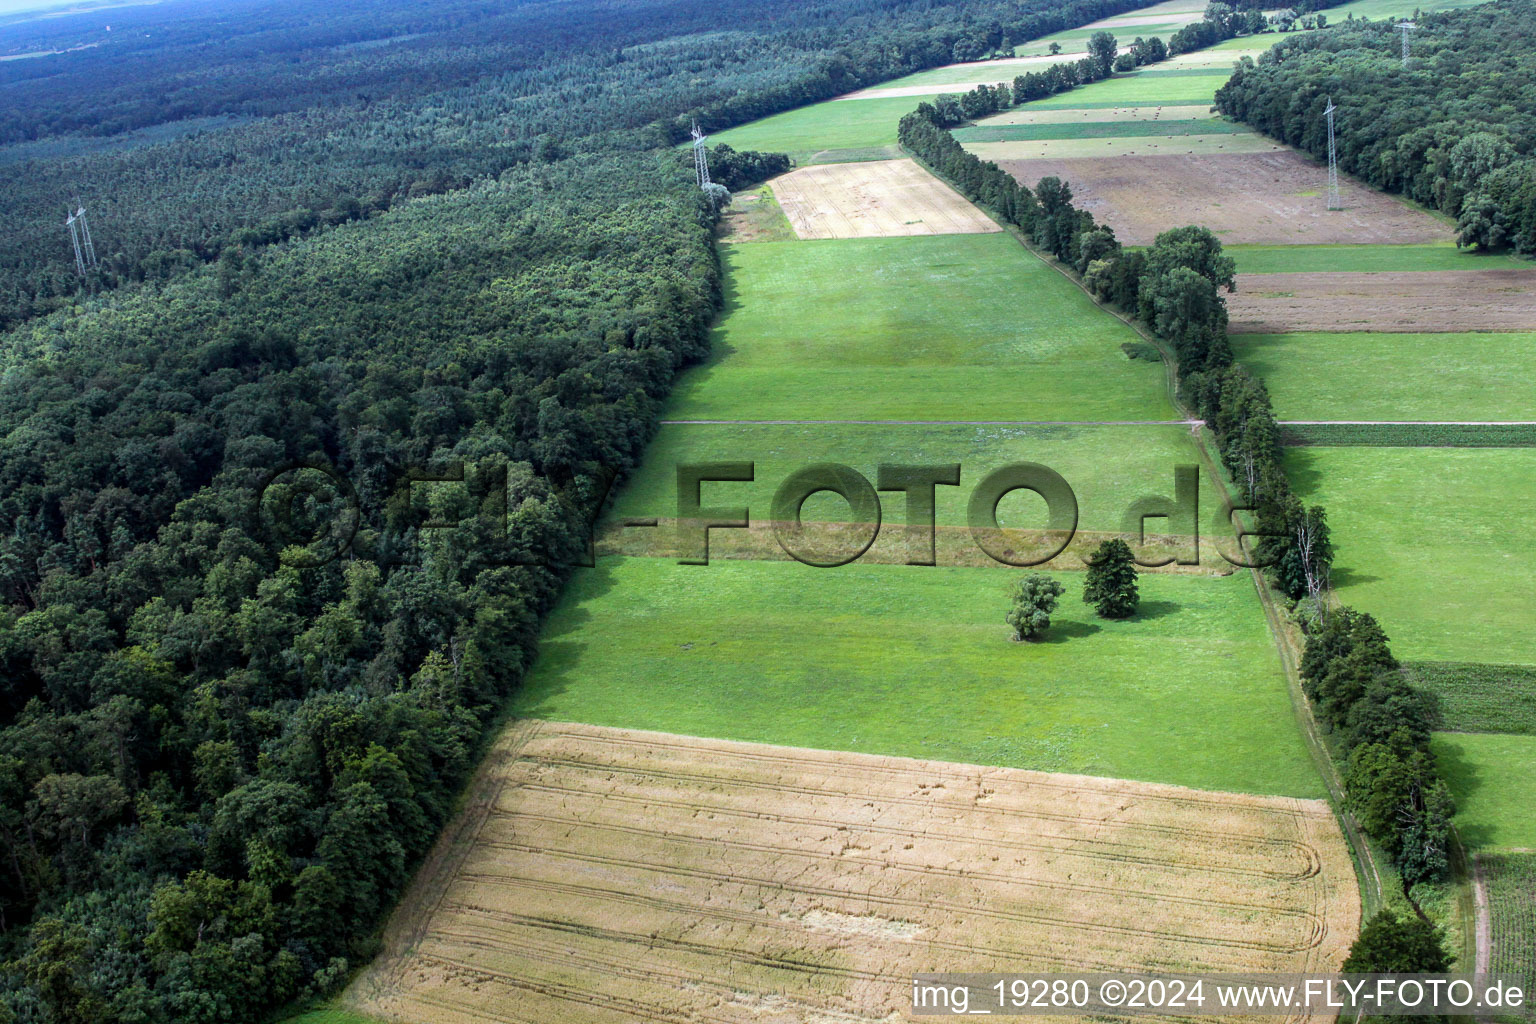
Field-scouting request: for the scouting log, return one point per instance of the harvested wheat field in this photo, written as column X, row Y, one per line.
column 1251, row 198
column 1436, row 300
column 606, row 875
column 1098, row 115
column 874, row 199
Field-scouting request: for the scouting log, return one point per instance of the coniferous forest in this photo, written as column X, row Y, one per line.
column 387, row 299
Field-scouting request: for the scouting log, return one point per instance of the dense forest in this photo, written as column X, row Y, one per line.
column 186, row 131
column 1452, row 130
column 287, row 494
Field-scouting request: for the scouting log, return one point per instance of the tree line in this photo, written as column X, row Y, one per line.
column 1382, row 722
column 1453, row 130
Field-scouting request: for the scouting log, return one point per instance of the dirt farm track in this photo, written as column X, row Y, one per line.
column 605, row 875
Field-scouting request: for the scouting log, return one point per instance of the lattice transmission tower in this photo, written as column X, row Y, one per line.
column 1406, row 27
column 80, row 238
column 1334, row 201
column 700, row 157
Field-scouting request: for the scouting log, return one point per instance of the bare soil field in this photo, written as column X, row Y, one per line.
column 1136, row 145
column 1251, row 198
column 879, row 198
column 607, row 875
column 1443, row 300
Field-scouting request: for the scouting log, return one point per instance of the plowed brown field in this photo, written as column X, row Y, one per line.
column 1258, row 198
column 605, row 875
column 1427, row 300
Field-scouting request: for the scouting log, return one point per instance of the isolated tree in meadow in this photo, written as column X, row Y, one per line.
column 1034, row 599
column 1111, row 583
column 1055, row 49
column 1102, row 50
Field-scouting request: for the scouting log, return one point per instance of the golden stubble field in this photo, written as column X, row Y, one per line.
column 606, row 875
column 875, row 198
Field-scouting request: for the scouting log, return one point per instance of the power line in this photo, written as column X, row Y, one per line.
column 700, row 157
column 80, row 238
column 1406, row 26
column 1334, row 201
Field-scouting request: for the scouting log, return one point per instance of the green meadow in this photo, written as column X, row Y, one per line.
column 836, row 124
column 1364, row 376
column 1108, row 468
column 1140, row 89
column 1310, row 259
column 927, row 328
column 918, row 662
column 1429, row 540
column 1493, row 779
column 1378, row 9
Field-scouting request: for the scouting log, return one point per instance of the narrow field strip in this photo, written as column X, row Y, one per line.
column 623, row 875
column 1284, row 259
column 1029, row 114
column 1466, row 386
column 1134, row 128
column 947, row 423
column 1160, row 144
column 1496, row 299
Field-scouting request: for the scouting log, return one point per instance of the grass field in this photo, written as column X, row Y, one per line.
column 1493, row 779
column 804, row 131
column 1365, row 376
column 1426, row 541
column 1141, row 89
column 331, row 1017
column 1107, row 467
column 1480, row 698
column 609, row 876
column 917, row 662
column 913, row 328
column 1302, row 259
column 1377, row 9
